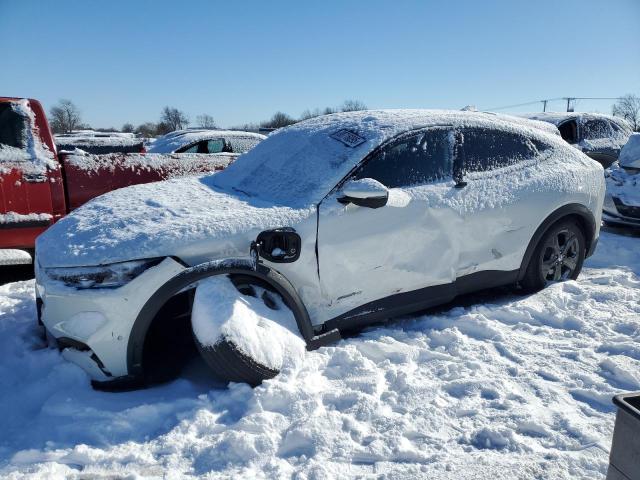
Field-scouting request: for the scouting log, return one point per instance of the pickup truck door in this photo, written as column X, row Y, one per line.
column 26, row 206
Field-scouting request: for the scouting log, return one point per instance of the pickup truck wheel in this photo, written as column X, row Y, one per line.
column 558, row 257
column 225, row 349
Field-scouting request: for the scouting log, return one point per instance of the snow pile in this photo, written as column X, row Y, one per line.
column 240, row 141
column 624, row 184
column 268, row 335
column 508, row 387
column 630, row 154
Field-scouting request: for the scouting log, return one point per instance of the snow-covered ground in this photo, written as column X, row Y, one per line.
column 500, row 386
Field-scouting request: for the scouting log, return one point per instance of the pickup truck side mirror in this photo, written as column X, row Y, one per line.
column 365, row 192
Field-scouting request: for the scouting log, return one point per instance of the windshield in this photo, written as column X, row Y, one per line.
column 295, row 166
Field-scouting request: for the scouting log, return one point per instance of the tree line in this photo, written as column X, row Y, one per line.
column 65, row 117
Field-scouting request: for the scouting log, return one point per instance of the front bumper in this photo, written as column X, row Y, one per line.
column 92, row 326
column 616, row 218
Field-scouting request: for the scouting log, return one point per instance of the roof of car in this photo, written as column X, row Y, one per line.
column 174, row 140
column 315, row 151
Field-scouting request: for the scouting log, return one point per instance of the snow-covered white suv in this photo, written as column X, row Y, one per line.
column 328, row 225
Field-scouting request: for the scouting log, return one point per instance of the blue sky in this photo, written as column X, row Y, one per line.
column 122, row 61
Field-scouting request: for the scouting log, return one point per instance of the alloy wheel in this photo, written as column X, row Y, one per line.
column 560, row 256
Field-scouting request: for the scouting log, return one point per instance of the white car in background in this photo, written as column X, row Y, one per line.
column 599, row 136
column 622, row 202
column 206, row 141
column 327, row 226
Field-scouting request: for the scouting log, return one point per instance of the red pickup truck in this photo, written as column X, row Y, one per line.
column 39, row 185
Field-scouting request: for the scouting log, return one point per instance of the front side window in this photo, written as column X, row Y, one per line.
column 13, row 127
column 411, row 159
column 191, row 149
column 487, row 149
column 595, row 128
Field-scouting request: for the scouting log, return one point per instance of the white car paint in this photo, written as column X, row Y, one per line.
column 427, row 234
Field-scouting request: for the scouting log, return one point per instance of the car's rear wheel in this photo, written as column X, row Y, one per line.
column 228, row 356
column 558, row 256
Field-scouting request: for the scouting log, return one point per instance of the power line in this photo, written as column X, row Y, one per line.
column 545, row 101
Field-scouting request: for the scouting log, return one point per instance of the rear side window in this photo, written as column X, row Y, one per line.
column 215, row 146
column 486, row 149
column 595, row 128
column 12, row 127
column 412, row 159
column 242, row 144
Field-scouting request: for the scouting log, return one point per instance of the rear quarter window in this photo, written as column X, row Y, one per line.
column 242, row 144
column 487, row 149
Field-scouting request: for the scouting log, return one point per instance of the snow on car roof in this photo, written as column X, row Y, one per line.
column 300, row 164
column 172, row 141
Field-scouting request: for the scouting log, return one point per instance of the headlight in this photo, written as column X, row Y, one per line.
column 609, row 203
column 103, row 276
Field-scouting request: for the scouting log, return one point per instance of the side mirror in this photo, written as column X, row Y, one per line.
column 365, row 192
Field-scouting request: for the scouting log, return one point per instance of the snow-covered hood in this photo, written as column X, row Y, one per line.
column 175, row 217
column 630, row 154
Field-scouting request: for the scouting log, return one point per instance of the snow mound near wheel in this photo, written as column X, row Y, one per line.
column 268, row 336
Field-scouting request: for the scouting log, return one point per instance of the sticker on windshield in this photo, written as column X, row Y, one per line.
column 349, row 138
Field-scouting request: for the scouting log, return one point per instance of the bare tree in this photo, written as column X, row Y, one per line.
column 278, row 120
column 353, row 106
column 147, row 130
column 205, row 121
column 628, row 107
column 128, row 128
column 307, row 114
column 65, row 116
column 173, row 119
column 329, row 111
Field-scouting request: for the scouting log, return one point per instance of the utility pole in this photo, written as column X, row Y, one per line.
column 569, row 99
column 544, row 105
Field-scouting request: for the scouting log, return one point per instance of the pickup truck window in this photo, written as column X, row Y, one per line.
column 12, row 127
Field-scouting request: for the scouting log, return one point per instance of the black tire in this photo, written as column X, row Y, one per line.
column 225, row 359
column 229, row 364
column 558, row 256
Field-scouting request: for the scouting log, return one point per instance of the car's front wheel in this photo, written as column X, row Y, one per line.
column 243, row 329
column 558, row 256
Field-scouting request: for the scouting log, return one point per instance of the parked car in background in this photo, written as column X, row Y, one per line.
column 39, row 185
column 331, row 224
column 206, row 141
column 99, row 143
column 599, row 136
column 622, row 202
